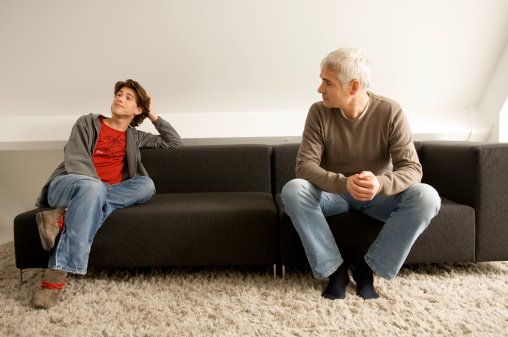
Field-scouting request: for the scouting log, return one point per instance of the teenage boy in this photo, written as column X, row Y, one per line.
column 101, row 172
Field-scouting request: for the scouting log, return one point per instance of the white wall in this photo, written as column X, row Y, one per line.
column 216, row 67
column 503, row 123
column 22, row 175
column 493, row 102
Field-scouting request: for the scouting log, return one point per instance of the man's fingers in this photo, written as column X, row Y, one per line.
column 362, row 193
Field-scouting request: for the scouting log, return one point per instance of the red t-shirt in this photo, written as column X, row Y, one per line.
column 109, row 154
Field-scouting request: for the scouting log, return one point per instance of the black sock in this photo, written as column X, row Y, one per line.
column 364, row 278
column 337, row 283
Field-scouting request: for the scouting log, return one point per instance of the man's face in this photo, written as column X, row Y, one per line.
column 334, row 95
column 124, row 104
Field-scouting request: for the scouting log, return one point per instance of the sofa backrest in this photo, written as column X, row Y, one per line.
column 210, row 168
column 284, row 162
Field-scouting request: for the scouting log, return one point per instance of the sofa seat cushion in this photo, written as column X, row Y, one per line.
column 190, row 229
column 450, row 236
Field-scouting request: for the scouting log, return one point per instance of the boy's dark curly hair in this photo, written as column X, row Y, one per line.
column 142, row 99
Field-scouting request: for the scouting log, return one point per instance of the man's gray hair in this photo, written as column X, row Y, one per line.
column 350, row 64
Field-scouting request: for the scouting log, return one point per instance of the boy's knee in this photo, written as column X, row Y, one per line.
column 146, row 188
column 92, row 187
column 149, row 186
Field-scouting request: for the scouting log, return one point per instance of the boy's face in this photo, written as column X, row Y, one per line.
column 125, row 104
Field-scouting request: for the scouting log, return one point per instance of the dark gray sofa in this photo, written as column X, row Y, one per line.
column 220, row 205
column 213, row 206
column 472, row 224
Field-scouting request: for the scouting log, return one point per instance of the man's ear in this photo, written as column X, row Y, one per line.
column 139, row 110
column 355, row 86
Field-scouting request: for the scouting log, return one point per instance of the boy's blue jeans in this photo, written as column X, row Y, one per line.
column 89, row 201
column 406, row 215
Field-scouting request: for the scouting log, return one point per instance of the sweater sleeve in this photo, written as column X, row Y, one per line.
column 407, row 169
column 168, row 137
column 78, row 149
column 308, row 160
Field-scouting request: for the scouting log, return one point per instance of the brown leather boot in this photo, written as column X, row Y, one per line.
column 47, row 296
column 49, row 224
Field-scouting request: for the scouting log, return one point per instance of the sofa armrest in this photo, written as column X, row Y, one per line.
column 475, row 174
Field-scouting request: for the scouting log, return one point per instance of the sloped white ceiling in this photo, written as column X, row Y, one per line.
column 63, row 57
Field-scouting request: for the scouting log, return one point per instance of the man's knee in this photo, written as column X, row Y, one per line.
column 298, row 193
column 294, row 188
column 428, row 199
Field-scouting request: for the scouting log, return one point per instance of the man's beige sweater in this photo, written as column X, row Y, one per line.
column 334, row 148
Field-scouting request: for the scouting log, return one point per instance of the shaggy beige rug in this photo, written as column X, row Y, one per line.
column 424, row 300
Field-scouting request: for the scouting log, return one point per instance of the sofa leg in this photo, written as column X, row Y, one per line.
column 21, row 276
column 283, row 271
column 274, row 271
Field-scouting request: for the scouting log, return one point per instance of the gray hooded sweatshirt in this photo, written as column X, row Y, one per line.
column 78, row 152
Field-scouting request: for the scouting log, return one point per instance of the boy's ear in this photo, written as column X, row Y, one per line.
column 139, row 110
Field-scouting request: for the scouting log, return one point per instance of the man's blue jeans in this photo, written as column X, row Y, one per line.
column 406, row 215
column 89, row 201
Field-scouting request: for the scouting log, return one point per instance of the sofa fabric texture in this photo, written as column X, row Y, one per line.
column 219, row 205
